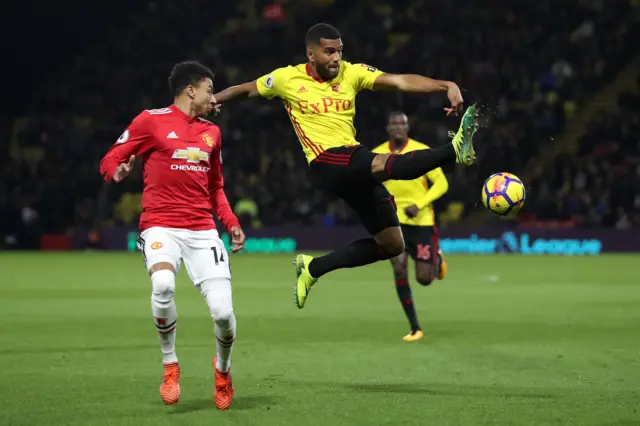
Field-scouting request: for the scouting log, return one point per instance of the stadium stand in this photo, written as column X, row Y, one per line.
column 532, row 66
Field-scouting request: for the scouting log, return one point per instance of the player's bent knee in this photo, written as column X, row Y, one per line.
column 425, row 281
column 163, row 284
column 394, row 247
column 217, row 293
column 424, row 277
column 222, row 314
column 378, row 167
column 391, row 242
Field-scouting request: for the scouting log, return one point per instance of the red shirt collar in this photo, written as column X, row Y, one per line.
column 404, row 145
column 181, row 114
column 310, row 74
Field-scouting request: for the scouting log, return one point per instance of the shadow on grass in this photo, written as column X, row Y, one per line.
column 431, row 389
column 239, row 403
column 449, row 390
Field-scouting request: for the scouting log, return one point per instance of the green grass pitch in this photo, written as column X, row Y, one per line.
column 509, row 340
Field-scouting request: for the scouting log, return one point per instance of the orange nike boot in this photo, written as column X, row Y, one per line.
column 414, row 336
column 223, row 389
column 170, row 387
column 443, row 266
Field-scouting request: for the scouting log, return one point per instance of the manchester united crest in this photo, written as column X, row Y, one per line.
column 208, row 140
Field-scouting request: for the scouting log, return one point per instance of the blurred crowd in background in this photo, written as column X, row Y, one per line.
column 534, row 67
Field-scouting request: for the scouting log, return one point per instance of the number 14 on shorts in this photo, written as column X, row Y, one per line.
column 217, row 257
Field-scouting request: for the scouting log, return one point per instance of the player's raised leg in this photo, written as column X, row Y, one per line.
column 415, row 164
column 425, row 251
column 207, row 263
column 426, row 272
column 377, row 212
column 347, row 172
column 400, row 267
column 162, row 257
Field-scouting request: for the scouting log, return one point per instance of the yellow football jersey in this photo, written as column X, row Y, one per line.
column 417, row 191
column 321, row 111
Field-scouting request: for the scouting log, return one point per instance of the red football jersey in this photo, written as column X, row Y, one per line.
column 182, row 169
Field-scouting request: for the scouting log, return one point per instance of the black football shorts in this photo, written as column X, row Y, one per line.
column 345, row 172
column 421, row 242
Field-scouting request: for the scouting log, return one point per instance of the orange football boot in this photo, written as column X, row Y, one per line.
column 414, row 336
column 170, row 387
column 223, row 389
column 443, row 266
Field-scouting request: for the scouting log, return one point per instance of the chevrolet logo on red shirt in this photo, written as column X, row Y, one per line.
column 192, row 155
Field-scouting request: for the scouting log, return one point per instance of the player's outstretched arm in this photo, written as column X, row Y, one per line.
column 239, row 92
column 419, row 84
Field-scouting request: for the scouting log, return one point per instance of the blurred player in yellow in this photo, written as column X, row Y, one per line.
column 319, row 97
column 414, row 200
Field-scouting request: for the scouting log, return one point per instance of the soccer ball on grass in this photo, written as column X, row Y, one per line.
column 503, row 194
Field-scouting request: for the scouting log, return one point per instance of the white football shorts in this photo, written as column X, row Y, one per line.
column 203, row 252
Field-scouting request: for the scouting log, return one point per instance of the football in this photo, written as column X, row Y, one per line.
column 503, row 194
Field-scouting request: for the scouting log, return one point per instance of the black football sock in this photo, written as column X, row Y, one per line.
column 404, row 294
column 414, row 164
column 356, row 253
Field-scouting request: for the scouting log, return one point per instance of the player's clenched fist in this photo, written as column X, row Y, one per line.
column 412, row 211
column 124, row 169
column 237, row 239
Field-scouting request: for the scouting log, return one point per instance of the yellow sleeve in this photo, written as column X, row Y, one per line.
column 438, row 189
column 272, row 85
column 363, row 76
